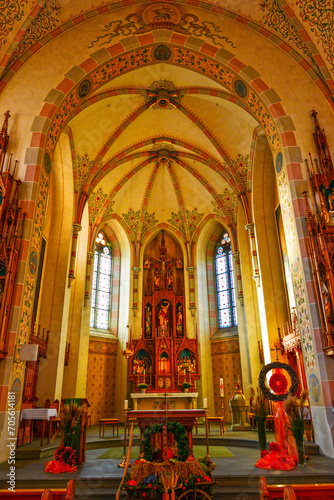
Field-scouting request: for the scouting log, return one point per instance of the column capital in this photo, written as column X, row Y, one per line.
column 250, row 227
column 191, row 269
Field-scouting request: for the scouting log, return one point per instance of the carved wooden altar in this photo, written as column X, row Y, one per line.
column 320, row 228
column 163, row 357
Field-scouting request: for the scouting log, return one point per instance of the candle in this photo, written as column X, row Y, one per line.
column 126, row 404
column 205, row 404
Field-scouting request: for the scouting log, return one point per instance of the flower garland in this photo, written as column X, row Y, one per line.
column 267, row 392
column 278, row 383
column 180, row 436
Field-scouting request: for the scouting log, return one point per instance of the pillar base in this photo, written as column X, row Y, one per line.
column 241, row 427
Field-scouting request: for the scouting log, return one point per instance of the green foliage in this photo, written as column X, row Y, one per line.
column 180, row 436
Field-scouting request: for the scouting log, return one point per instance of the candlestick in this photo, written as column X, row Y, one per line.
column 205, row 403
column 126, row 404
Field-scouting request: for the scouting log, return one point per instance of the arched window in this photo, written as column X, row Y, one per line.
column 227, row 310
column 101, row 291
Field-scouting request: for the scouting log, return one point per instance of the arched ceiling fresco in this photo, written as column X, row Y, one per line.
column 168, row 142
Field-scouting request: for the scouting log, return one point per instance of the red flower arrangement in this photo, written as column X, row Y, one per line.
column 64, row 461
column 278, row 383
column 274, row 446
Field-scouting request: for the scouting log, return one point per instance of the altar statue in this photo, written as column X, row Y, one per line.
column 163, row 316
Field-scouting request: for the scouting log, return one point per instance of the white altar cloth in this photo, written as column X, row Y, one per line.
column 38, row 413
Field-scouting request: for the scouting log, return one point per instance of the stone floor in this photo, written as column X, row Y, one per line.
column 96, row 475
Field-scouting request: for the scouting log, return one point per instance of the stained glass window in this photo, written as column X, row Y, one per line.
column 101, row 290
column 227, row 308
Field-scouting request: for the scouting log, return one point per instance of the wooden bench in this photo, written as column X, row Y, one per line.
column 296, row 491
column 218, row 420
column 41, row 494
column 109, row 421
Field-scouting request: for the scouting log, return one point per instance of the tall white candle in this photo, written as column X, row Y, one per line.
column 126, row 404
column 205, row 403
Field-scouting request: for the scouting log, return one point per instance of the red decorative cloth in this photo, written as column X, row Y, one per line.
column 283, row 453
column 276, row 460
column 57, row 467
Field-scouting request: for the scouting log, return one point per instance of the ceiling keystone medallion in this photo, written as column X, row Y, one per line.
column 161, row 15
column 163, row 94
column 163, row 157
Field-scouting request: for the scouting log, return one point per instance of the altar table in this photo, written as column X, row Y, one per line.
column 38, row 414
column 184, row 417
column 157, row 400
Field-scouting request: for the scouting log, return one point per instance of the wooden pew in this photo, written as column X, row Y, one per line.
column 295, row 491
column 288, row 493
column 41, row 494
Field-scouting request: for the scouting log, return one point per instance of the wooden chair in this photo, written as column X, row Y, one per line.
column 54, row 422
column 109, row 421
column 25, row 431
column 218, row 420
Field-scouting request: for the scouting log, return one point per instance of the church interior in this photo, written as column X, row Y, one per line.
column 166, row 204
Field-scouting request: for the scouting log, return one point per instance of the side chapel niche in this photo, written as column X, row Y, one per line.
column 164, row 357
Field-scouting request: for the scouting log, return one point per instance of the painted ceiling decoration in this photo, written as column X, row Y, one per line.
column 44, row 22
column 55, row 17
column 161, row 15
column 317, row 14
column 161, row 104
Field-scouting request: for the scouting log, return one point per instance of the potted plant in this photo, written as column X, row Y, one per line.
column 142, row 387
column 295, row 410
column 65, row 457
column 186, row 386
column 260, row 410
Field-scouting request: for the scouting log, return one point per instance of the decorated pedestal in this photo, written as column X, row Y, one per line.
column 239, row 408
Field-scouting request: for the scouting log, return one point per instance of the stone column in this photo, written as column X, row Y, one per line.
column 136, row 271
column 251, row 234
column 76, row 229
column 192, row 306
column 236, row 258
column 88, row 285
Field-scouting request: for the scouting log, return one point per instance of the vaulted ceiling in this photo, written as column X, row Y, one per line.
column 169, row 141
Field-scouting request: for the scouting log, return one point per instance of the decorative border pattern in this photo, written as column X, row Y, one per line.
column 40, row 212
column 102, row 347
column 297, row 277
